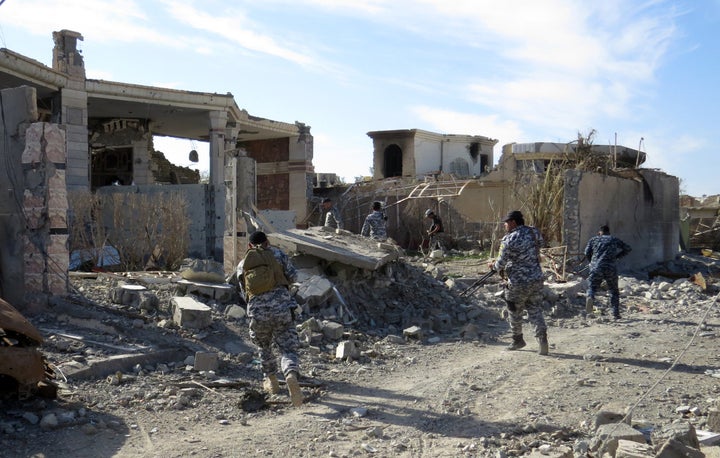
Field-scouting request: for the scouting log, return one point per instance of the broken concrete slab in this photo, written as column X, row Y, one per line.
column 348, row 248
column 221, row 292
column 124, row 363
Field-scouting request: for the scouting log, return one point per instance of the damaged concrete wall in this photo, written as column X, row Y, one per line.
column 33, row 215
column 642, row 210
column 18, row 110
column 196, row 196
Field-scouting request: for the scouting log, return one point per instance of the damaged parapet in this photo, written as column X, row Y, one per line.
column 23, row 369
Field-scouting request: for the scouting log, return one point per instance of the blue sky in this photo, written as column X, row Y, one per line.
column 516, row 71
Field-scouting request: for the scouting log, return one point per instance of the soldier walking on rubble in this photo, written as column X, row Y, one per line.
column 332, row 215
column 265, row 275
column 435, row 230
column 519, row 258
column 603, row 251
column 375, row 223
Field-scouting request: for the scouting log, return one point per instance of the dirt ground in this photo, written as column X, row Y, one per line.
column 440, row 397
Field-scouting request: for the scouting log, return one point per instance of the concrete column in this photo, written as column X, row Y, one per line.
column 300, row 170
column 74, row 115
column 218, row 188
column 141, row 162
column 234, row 223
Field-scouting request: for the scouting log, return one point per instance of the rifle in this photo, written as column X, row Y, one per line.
column 478, row 283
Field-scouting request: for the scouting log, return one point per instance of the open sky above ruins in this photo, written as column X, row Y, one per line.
column 516, row 71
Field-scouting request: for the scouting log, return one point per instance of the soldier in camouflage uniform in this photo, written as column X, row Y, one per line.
column 272, row 320
column 519, row 258
column 332, row 215
column 374, row 225
column 603, row 250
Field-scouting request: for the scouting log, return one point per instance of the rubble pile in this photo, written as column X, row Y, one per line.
column 122, row 347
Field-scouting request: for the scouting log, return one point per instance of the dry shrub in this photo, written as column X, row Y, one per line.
column 87, row 233
column 542, row 194
column 141, row 227
column 143, row 224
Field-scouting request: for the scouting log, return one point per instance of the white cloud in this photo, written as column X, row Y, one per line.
column 234, row 26
column 453, row 122
column 99, row 21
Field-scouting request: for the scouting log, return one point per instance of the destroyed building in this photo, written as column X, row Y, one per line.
column 700, row 223
column 66, row 133
column 568, row 190
column 93, row 133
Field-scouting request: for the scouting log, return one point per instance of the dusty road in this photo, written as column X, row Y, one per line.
column 448, row 398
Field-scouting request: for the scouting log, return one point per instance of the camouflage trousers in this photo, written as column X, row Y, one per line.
column 609, row 274
column 437, row 241
column 525, row 297
column 271, row 322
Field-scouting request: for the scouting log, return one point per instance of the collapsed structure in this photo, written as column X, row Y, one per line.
column 568, row 190
column 66, row 133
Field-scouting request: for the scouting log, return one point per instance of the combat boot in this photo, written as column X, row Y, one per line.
column 271, row 385
column 293, row 385
column 589, row 305
column 517, row 343
column 543, row 345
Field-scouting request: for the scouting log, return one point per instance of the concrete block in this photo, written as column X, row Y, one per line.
column 332, row 330
column 413, row 332
column 631, row 449
column 346, row 349
column 206, row 361
column 127, row 294
column 189, row 313
column 314, row 291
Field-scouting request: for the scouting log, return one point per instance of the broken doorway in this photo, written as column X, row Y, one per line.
column 392, row 165
column 111, row 165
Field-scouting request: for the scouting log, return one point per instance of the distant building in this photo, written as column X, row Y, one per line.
column 417, row 153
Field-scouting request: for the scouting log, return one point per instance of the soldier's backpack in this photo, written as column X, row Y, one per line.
column 260, row 271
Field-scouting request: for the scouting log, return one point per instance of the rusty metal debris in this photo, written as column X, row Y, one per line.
column 24, row 370
column 699, row 280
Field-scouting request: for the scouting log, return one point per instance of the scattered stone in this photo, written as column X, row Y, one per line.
column 332, row 330
column 607, row 437
column 632, row 449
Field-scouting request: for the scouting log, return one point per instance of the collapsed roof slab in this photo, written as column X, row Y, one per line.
column 343, row 247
